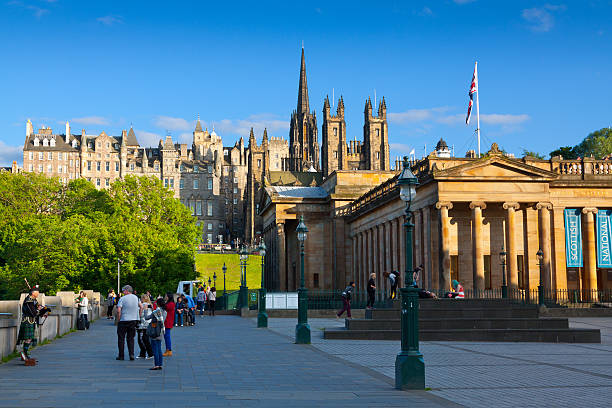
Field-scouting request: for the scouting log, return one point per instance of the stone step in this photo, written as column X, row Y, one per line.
column 461, row 323
column 454, row 313
column 497, row 335
column 431, row 304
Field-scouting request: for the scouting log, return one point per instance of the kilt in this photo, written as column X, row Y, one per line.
column 26, row 331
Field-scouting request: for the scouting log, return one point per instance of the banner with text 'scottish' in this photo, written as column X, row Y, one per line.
column 604, row 236
column 573, row 238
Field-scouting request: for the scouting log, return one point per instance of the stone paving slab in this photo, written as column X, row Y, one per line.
column 222, row 361
column 491, row 374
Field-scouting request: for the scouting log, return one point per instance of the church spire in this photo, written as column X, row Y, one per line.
column 302, row 104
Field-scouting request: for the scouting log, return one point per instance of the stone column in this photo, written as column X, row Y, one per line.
column 425, row 213
column 282, row 283
column 512, row 267
column 477, row 255
column 590, row 270
column 445, row 281
column 558, row 249
column 380, row 250
column 544, row 210
column 394, row 249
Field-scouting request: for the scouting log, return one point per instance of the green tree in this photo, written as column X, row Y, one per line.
column 566, row 152
column 532, row 154
column 597, row 144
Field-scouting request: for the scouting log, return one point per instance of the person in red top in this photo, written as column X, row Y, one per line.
column 170, row 306
column 457, row 291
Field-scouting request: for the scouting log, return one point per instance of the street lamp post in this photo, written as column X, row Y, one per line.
column 224, row 293
column 540, row 256
column 409, row 363
column 262, row 316
column 244, row 290
column 504, row 287
column 119, row 262
column 215, row 279
column 302, row 329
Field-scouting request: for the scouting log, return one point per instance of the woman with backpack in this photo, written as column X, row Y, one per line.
column 156, row 331
column 144, row 342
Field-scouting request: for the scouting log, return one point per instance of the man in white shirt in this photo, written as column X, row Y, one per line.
column 128, row 315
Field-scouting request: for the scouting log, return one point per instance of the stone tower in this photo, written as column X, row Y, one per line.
column 334, row 145
column 376, row 137
column 303, row 142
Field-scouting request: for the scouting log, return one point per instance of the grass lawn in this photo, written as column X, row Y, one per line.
column 207, row 264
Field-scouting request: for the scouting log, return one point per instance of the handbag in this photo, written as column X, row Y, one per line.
column 154, row 329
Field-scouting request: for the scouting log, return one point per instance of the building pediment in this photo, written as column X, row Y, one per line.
column 495, row 168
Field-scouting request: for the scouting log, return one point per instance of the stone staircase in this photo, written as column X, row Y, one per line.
column 466, row 320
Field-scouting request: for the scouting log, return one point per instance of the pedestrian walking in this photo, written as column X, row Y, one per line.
column 394, row 282
column 82, row 306
column 144, row 343
column 212, row 295
column 128, row 315
column 201, row 298
column 169, row 306
column 110, row 303
column 371, row 291
column 346, row 300
column 156, row 331
column 190, row 310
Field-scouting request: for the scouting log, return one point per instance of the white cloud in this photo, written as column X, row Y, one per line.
column 415, row 115
column 37, row 11
column 10, row 153
column 170, row 123
column 91, row 120
column 541, row 19
column 110, row 20
column 503, row 119
column 452, row 119
column 400, row 148
column 147, row 139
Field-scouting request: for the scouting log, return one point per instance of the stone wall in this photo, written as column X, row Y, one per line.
column 62, row 319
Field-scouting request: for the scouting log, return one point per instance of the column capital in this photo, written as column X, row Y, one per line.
column 587, row 210
column 481, row 204
column 446, row 204
column 513, row 205
column 280, row 228
column 544, row 206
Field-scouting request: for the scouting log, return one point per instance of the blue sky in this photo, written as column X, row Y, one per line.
column 544, row 68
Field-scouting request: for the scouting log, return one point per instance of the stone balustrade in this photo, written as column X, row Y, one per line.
column 62, row 319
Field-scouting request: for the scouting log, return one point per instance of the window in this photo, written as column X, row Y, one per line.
column 98, row 166
column 454, row 267
column 335, row 131
column 45, row 142
column 40, row 168
column 107, row 166
column 108, row 145
column 225, row 152
column 172, row 183
column 182, row 167
column 50, row 155
column 210, row 184
column 315, row 277
column 209, row 208
column 71, row 162
column 198, row 207
column 235, row 190
column 196, row 184
column 221, row 225
column 276, row 156
column 89, row 166
column 131, row 166
column 107, row 183
column 116, row 166
column 335, row 154
column 36, row 142
column 520, row 266
column 210, row 226
column 41, row 156
column 209, row 238
column 98, row 182
column 31, row 167
column 236, row 180
column 487, row 271
column 166, row 182
column 156, row 166
column 235, row 201
column 49, row 168
column 377, row 155
column 60, row 156
column 377, row 132
column 196, row 168
column 31, row 156
column 59, row 168
column 181, row 183
column 258, row 163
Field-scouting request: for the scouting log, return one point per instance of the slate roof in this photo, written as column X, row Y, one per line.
column 298, row 192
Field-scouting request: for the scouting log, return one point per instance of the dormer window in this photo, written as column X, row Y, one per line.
column 45, row 142
column 36, row 141
column 225, row 152
column 52, row 142
column 74, row 143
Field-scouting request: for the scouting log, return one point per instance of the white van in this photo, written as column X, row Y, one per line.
column 187, row 287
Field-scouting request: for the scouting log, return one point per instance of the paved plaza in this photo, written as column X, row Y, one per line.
column 227, row 361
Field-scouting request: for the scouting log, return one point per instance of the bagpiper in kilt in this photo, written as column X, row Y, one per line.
column 30, row 314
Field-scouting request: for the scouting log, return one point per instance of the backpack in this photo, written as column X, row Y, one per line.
column 154, row 329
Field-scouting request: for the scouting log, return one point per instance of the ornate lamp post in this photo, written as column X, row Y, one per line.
column 244, row 290
column 224, row 294
column 215, row 279
column 540, row 256
column 302, row 329
column 209, row 281
column 409, row 363
column 502, row 259
column 262, row 316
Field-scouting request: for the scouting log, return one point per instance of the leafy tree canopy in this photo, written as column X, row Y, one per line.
column 597, row 144
column 69, row 237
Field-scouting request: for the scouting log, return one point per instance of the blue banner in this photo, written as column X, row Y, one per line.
column 604, row 236
column 573, row 238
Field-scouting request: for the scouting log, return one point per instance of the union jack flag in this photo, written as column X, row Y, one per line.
column 473, row 90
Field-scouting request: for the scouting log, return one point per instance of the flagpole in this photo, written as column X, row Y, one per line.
column 477, row 109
